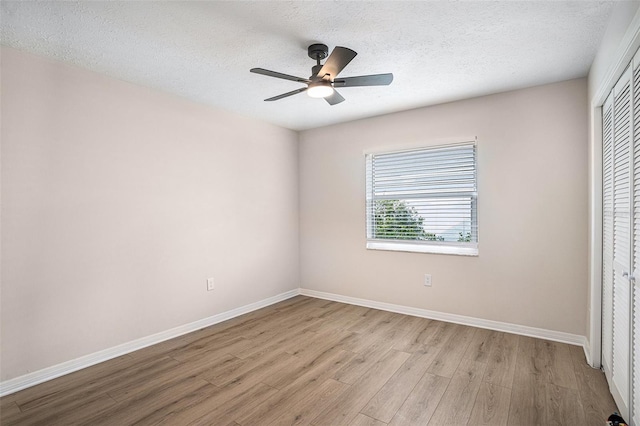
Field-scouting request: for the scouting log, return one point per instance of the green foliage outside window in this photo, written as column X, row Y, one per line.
column 394, row 219
column 464, row 238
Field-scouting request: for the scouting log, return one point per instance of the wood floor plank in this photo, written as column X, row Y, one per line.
column 559, row 368
column 70, row 411
column 348, row 404
column 136, row 373
column 284, row 364
column 528, row 399
column 50, row 390
column 375, row 320
column 352, row 341
column 315, row 403
column 395, row 329
column 193, row 368
column 454, row 348
column 416, row 336
column 341, row 320
column 254, row 323
column 305, row 348
column 307, row 341
column 422, row 401
column 501, row 365
column 528, row 394
column 550, row 359
column 326, row 310
column 141, row 406
column 294, row 301
column 384, row 405
column 442, row 332
column 284, row 324
column 160, row 349
column 365, row 319
column 391, row 323
column 9, row 410
column 327, row 360
column 361, row 363
column 241, row 326
column 237, row 406
column 362, row 420
column 253, row 370
column 597, row 402
column 217, row 404
column 561, row 405
column 457, row 402
column 298, row 391
column 181, row 405
column 225, row 367
column 276, row 338
column 491, row 407
column 231, row 345
column 481, row 344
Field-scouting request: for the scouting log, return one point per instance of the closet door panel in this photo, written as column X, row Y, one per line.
column 618, row 372
column 621, row 234
column 635, row 289
column 607, row 237
column 621, row 242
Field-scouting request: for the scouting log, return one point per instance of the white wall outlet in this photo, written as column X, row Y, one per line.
column 210, row 284
column 427, row 280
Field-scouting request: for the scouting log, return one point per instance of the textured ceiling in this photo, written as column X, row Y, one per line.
column 203, row 50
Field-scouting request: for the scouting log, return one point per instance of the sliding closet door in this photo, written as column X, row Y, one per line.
column 607, row 234
column 621, row 242
column 635, row 282
column 618, row 242
column 621, row 235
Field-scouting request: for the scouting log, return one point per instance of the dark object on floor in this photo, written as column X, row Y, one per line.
column 616, row 420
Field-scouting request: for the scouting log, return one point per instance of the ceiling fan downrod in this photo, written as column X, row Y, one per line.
column 318, row 52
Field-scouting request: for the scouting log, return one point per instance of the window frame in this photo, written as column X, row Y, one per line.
column 421, row 246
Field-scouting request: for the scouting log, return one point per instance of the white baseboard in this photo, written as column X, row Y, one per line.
column 22, row 382
column 16, row 384
column 587, row 353
column 540, row 333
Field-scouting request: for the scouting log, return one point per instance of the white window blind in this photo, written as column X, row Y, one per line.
column 423, row 200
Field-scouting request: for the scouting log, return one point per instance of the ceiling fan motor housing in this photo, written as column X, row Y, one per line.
column 318, row 51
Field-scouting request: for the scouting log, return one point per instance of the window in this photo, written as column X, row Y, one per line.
column 423, row 200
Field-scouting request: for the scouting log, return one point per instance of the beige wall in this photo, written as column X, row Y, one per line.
column 119, row 201
column 532, row 180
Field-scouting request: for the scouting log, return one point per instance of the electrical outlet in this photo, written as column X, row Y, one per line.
column 210, row 284
column 427, row 280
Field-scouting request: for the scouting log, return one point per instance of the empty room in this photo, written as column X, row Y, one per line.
column 320, row 213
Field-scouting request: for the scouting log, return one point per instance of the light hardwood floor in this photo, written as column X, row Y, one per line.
column 311, row 361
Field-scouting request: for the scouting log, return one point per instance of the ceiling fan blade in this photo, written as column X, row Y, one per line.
column 364, row 80
column 334, row 99
column 336, row 62
column 284, row 95
column 279, row 75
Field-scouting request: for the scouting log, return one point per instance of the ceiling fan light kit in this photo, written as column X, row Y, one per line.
column 323, row 81
column 319, row 89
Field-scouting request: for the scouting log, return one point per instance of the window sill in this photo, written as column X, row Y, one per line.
column 423, row 248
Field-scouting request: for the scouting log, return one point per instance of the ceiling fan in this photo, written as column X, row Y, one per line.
column 323, row 79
